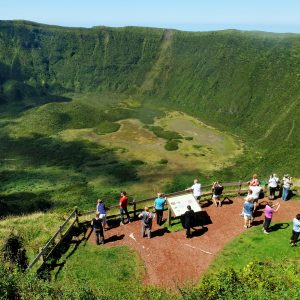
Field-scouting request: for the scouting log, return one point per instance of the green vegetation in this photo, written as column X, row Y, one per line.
column 107, row 127
column 261, row 281
column 35, row 230
column 90, row 263
column 164, row 134
column 228, row 79
column 171, row 145
column 73, row 107
column 255, row 245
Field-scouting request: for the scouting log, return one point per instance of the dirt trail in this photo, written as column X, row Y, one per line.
column 171, row 260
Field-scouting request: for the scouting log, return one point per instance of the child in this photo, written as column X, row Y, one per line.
column 147, row 218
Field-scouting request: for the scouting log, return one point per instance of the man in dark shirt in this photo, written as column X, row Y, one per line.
column 217, row 190
column 98, row 229
column 189, row 220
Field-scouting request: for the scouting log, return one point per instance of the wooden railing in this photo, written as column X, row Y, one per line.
column 45, row 252
column 51, row 245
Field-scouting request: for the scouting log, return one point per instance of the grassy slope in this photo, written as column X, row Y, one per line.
column 243, row 82
column 254, row 245
column 35, row 230
column 90, row 264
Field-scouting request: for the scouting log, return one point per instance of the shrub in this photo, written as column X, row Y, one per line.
column 171, row 145
column 164, row 134
column 107, row 127
column 163, row 161
column 14, row 252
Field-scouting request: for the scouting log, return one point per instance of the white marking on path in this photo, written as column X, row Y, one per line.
column 132, row 236
column 198, row 249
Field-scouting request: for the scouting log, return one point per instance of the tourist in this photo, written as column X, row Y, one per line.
column 196, row 187
column 217, row 190
column 98, row 229
column 273, row 183
column 123, row 208
column 101, row 209
column 296, row 230
column 269, row 210
column 256, row 190
column 247, row 198
column 159, row 205
column 189, row 221
column 147, row 218
column 248, row 213
column 287, row 182
column 254, row 181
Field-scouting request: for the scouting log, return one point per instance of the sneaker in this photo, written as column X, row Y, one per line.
column 121, row 223
column 245, row 226
column 266, row 232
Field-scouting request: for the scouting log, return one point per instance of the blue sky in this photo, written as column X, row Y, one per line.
column 192, row 15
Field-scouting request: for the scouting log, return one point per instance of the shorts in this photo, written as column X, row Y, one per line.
column 217, row 197
column 248, row 217
column 103, row 217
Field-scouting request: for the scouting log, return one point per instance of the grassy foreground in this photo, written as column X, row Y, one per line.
column 254, row 245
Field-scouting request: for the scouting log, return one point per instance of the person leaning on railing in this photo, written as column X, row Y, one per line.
column 159, row 205
column 196, row 188
column 101, row 209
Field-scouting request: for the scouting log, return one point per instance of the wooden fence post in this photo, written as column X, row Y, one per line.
column 240, row 188
column 169, row 221
column 43, row 254
column 60, row 231
column 76, row 214
column 134, row 209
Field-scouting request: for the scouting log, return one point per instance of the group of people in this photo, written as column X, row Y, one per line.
column 99, row 223
column 251, row 203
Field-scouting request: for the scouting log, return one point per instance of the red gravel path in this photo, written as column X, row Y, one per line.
column 171, row 260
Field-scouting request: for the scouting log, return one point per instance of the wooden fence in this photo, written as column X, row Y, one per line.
column 236, row 188
column 53, row 243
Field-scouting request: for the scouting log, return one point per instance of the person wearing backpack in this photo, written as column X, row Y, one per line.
column 147, row 218
column 98, row 229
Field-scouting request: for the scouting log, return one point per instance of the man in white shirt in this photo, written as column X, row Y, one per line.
column 196, row 187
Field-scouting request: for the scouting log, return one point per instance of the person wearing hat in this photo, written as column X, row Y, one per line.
column 287, row 182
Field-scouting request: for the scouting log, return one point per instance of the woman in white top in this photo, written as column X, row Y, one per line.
column 272, row 186
column 287, row 182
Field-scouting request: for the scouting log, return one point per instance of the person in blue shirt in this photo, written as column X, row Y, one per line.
column 159, row 204
column 101, row 210
column 248, row 212
column 296, row 230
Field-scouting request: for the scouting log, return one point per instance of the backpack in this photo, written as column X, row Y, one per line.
column 147, row 219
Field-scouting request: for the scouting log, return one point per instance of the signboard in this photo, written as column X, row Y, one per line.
column 179, row 204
